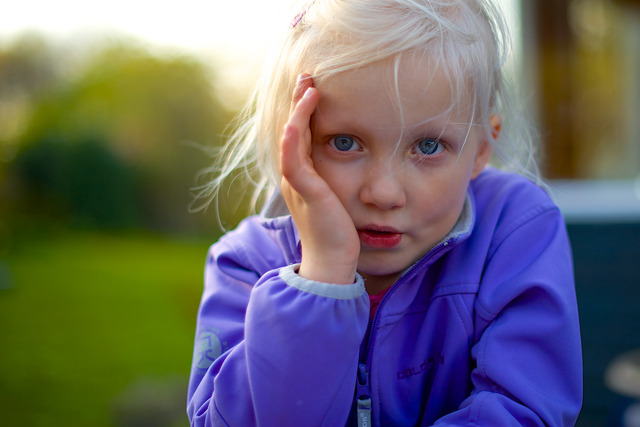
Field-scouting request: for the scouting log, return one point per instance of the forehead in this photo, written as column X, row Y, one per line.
column 409, row 91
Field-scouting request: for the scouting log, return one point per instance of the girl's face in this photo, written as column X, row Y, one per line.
column 402, row 182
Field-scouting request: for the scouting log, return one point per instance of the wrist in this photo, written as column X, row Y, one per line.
column 330, row 290
column 325, row 273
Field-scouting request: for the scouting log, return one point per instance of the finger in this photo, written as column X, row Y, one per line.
column 305, row 81
column 303, row 85
column 303, row 110
column 298, row 117
column 295, row 161
column 289, row 157
column 295, row 149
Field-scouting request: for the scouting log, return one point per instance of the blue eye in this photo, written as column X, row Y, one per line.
column 429, row 146
column 345, row 143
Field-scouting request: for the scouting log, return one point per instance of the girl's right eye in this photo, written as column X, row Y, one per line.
column 344, row 143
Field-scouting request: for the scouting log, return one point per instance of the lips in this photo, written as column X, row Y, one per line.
column 379, row 237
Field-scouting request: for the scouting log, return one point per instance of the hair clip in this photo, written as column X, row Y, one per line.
column 300, row 15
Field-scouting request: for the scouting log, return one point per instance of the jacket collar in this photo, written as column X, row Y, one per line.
column 275, row 207
column 466, row 220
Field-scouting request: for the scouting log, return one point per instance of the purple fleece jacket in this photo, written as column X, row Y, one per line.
column 483, row 330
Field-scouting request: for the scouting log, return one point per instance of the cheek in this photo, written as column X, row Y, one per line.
column 342, row 178
column 319, row 161
column 439, row 193
column 334, row 174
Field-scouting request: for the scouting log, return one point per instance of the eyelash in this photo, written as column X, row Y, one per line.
column 438, row 149
column 334, row 143
column 353, row 145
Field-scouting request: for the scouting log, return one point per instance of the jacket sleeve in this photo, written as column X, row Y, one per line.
column 272, row 348
column 527, row 351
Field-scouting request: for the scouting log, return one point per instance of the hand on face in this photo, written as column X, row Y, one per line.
column 330, row 243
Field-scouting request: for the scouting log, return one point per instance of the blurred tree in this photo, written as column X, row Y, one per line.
column 147, row 112
column 86, row 183
column 27, row 69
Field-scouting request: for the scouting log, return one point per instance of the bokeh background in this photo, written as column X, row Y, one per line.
column 110, row 111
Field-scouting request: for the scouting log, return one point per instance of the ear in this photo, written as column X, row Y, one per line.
column 483, row 153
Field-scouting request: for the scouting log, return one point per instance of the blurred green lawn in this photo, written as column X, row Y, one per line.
column 96, row 329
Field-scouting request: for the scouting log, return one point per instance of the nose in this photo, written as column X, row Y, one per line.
column 382, row 188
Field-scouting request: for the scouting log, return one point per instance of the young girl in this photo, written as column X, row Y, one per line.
column 392, row 279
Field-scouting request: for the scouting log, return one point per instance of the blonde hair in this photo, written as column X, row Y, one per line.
column 467, row 37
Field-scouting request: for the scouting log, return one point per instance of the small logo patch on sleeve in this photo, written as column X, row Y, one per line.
column 207, row 349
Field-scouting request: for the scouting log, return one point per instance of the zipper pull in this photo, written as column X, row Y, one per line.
column 363, row 397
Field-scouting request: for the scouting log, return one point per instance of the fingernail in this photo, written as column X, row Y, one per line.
column 307, row 93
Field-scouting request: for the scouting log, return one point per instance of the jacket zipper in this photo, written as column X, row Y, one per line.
column 363, row 390
column 363, row 397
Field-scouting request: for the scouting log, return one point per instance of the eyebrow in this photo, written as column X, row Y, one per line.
column 336, row 123
column 333, row 121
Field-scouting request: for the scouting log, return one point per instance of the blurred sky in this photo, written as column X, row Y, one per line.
column 192, row 24
column 233, row 33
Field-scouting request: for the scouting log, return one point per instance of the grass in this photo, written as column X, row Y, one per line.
column 97, row 329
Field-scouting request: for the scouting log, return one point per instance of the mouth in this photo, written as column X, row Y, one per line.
column 379, row 237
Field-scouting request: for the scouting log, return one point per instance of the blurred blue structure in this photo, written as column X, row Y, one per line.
column 598, row 202
column 603, row 220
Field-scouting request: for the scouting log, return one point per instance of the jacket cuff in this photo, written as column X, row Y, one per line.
column 329, row 290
